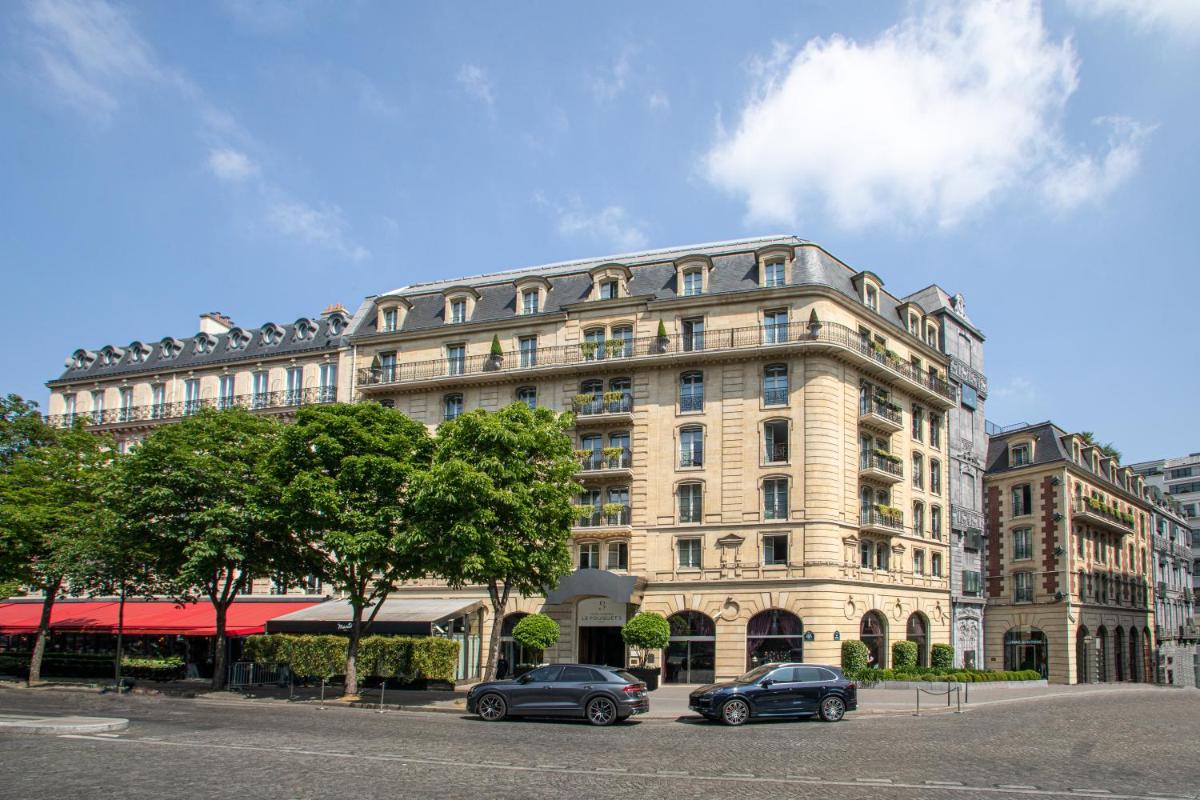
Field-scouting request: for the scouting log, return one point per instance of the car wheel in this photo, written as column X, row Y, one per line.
column 735, row 712
column 602, row 711
column 492, row 707
column 833, row 709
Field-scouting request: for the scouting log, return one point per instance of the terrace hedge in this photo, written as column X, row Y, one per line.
column 870, row 676
column 408, row 658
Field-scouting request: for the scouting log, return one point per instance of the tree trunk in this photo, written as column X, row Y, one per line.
column 39, row 646
column 218, row 678
column 120, row 634
column 499, row 604
column 351, row 690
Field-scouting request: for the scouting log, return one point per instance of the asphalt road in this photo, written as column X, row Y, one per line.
column 1136, row 743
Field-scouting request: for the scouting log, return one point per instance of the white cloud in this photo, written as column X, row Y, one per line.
column 321, row 226
column 1019, row 391
column 1173, row 17
column 936, row 118
column 658, row 101
column 231, row 165
column 607, row 85
column 474, row 79
column 1087, row 178
column 610, row 226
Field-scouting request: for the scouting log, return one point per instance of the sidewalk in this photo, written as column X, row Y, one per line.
column 57, row 726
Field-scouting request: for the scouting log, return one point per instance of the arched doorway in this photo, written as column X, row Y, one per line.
column 518, row 657
column 1148, row 670
column 1081, row 655
column 1135, row 656
column 1025, row 648
column 873, row 633
column 692, row 652
column 1119, row 654
column 774, row 635
column 917, row 631
column 1102, row 654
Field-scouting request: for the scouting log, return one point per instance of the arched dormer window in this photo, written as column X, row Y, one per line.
column 390, row 313
column 111, row 355
column 138, row 352
column 459, row 304
column 81, row 359
column 869, row 288
column 271, row 334
column 238, row 339
column 203, row 343
column 336, row 322
column 610, row 281
column 531, row 294
column 774, row 264
column 170, row 347
column 691, row 275
column 304, row 329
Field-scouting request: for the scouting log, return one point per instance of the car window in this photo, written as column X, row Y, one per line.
column 810, row 674
column 627, row 676
column 578, row 675
column 544, row 674
column 754, row 675
column 827, row 675
column 782, row 675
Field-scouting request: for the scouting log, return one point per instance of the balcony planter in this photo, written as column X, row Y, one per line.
column 886, row 456
column 814, row 325
column 581, row 401
column 612, row 456
column 661, row 340
column 615, row 347
column 495, row 358
column 612, row 510
column 588, row 349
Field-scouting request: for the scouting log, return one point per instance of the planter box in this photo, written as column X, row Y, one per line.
column 647, row 674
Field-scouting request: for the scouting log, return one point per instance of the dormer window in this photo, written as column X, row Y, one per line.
column 337, row 324
column 531, row 301
column 871, row 298
column 774, row 273
column 390, row 319
column 914, row 324
column 238, row 339
column 305, row 329
column 458, row 311
column 610, row 290
column 272, row 334
column 169, row 348
column 931, row 335
column 1019, row 455
column 693, row 282
column 204, row 343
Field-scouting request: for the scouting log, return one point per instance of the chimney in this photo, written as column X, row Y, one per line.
column 215, row 322
column 333, row 308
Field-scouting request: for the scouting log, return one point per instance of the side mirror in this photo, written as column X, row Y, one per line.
column 766, row 684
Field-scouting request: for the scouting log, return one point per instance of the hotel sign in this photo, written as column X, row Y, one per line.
column 600, row 612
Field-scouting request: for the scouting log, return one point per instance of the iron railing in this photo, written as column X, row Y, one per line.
column 691, row 457
column 880, row 409
column 257, row 401
column 601, row 404
column 691, row 402
column 600, row 519
column 775, row 453
column 747, row 338
column 1088, row 505
column 597, row 460
column 775, row 397
column 874, row 518
column 874, row 461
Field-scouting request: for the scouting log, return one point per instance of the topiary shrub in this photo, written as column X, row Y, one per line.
column 434, row 658
column 904, row 656
column 854, row 656
column 645, row 632
column 941, row 656
column 536, row 632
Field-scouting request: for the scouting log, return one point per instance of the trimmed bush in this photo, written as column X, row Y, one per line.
column 854, row 656
column 408, row 658
column 941, row 656
column 904, row 656
column 435, row 658
column 536, row 632
column 646, row 631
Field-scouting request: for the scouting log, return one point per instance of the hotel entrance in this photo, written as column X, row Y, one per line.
column 600, row 620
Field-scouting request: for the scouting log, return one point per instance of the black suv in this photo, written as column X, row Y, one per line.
column 778, row 690
column 602, row 695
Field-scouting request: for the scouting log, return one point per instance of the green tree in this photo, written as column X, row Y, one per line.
column 50, row 506
column 197, row 492
column 345, row 472
column 536, row 632
column 21, row 427
column 495, row 507
column 645, row 632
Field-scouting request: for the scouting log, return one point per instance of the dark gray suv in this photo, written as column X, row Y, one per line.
column 601, row 695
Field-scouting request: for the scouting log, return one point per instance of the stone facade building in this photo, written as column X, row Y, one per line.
column 762, row 442
column 967, row 439
column 1069, row 559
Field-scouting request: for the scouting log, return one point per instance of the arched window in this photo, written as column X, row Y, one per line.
column 691, row 391
column 622, row 335
column 1119, row 662
column 619, row 398
column 590, row 399
column 1102, row 654
column 917, row 631
column 1025, row 648
column 691, row 502
column 692, row 652
column 691, row 446
column 528, row 396
column 1135, row 656
column 774, row 635
column 452, row 406
column 918, row 518
column 775, row 385
column 1082, row 675
column 873, row 633
column 519, row 659
column 593, row 344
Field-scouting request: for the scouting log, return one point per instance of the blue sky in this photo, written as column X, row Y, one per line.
column 266, row 159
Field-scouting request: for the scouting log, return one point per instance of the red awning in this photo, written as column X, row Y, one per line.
column 143, row 617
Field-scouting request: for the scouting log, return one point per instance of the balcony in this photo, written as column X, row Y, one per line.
column 159, row 412
column 882, row 520
column 880, row 416
column 775, row 453
column 691, row 457
column 610, row 515
column 830, row 337
column 609, row 462
column 1092, row 511
column 883, row 468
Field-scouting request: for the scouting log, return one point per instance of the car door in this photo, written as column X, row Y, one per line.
column 772, row 694
column 533, row 691
column 807, row 690
column 572, row 687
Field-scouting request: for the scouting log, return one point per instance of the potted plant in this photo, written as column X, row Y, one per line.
column 536, row 632
column 582, row 401
column 612, row 456
column 645, row 633
column 661, row 340
column 615, row 347
column 613, row 512
column 495, row 355
column 612, row 400
column 584, row 510
column 588, row 349
column 814, row 325
column 585, row 457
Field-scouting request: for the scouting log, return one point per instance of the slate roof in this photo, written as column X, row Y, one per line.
column 327, row 333
column 735, row 269
column 1047, row 448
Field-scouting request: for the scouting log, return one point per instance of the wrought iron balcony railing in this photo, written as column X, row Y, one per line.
column 875, row 461
column 691, row 457
column 608, row 403
column 877, row 518
column 881, row 409
column 775, row 397
column 598, row 460
column 747, row 338
column 691, row 402
column 601, row 519
column 775, row 453
column 185, row 408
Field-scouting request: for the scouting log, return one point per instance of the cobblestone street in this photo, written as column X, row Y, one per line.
column 1124, row 743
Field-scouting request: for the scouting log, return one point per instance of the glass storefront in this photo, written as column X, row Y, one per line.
column 1025, row 648
column 873, row 634
column 692, row 651
column 774, row 635
column 467, row 630
column 918, row 633
column 518, row 657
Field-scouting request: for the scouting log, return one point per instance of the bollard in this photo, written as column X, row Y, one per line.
column 947, row 694
column 968, row 693
column 958, row 694
column 322, row 706
column 917, row 713
column 382, row 689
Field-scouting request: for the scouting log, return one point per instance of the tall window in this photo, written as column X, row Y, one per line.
column 689, row 553
column 456, row 359
column 775, row 385
column 935, row 431
column 261, row 395
column 295, row 385
column 618, row 556
column 387, row 367
column 593, row 344
column 1023, row 587
column 691, row 447
column 529, row 301
column 935, row 476
column 528, row 345
column 619, row 440
column 774, row 274
column 918, row 471
column 1022, row 500
column 1022, row 539
column 589, row 555
column 693, row 283
column 127, row 403
column 609, row 290
column 865, row 552
column 69, row 408
column 775, row 441
column 918, row 424
column 458, row 310
column 775, row 549
column 225, row 392
column 327, row 378
column 624, row 335
column 191, row 396
column 528, row 396
column 872, row 298
column 918, row 518
column 1020, row 455
column 935, row 565
column 452, row 406
column 918, row 562
column 691, row 391
column 390, row 316
column 881, row 556
column 935, row 522
column 693, row 334
column 775, row 498
column 98, row 406
column 691, row 503
column 775, row 327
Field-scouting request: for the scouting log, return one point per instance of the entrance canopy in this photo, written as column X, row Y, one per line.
column 413, row 616
column 597, row 583
column 144, row 617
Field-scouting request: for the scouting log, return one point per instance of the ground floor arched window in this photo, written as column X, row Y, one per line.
column 1081, row 655
column 692, row 651
column 774, row 635
column 1119, row 654
column 1148, row 670
column 917, row 632
column 1135, row 656
column 1102, row 654
column 1025, row 648
column 873, row 633
column 518, row 658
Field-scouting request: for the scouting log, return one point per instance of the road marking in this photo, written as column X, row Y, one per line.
column 1014, row 786
column 943, row 783
column 675, row 772
column 611, row 769
column 798, row 780
column 739, row 774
